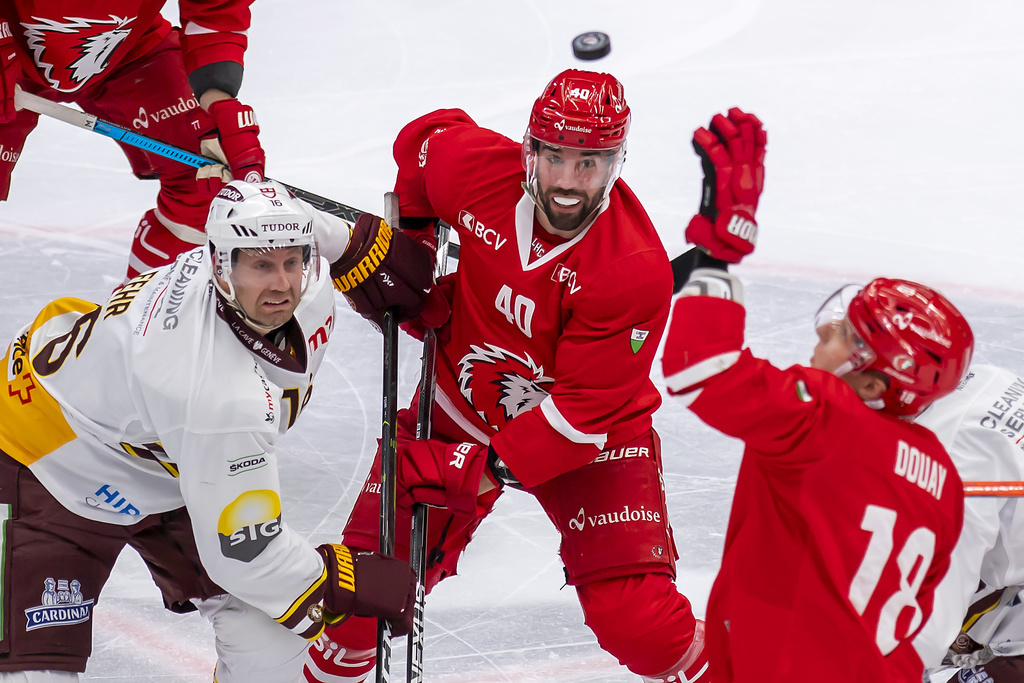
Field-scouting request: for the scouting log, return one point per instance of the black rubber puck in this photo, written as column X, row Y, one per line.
column 592, row 45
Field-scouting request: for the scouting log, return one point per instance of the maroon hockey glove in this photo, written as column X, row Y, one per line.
column 238, row 133
column 441, row 474
column 368, row 585
column 382, row 268
column 10, row 71
column 732, row 154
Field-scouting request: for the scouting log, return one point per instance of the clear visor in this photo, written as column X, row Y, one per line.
column 571, row 167
column 833, row 326
column 268, row 267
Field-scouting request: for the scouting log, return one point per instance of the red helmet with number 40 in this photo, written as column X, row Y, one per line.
column 582, row 109
column 920, row 340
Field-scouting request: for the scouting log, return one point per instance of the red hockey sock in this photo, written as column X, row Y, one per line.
column 158, row 241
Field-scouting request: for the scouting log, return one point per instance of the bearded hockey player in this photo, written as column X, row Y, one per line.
column 558, row 305
column 845, row 512
column 152, row 421
column 978, row 621
column 122, row 61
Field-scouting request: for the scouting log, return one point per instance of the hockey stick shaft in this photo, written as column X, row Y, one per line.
column 1000, row 489
column 418, row 531
column 388, row 453
column 55, row 110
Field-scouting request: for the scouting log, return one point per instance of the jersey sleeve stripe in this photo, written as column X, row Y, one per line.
column 685, row 380
column 296, row 618
column 562, row 426
column 194, row 29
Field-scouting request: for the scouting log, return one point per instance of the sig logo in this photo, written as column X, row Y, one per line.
column 248, row 524
column 246, row 464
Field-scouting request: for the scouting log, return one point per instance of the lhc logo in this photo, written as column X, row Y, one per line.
column 500, row 385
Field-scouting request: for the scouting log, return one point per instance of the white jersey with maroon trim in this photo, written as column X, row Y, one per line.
column 982, row 426
column 164, row 397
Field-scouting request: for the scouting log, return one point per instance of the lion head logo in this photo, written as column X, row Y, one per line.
column 501, row 385
column 70, row 53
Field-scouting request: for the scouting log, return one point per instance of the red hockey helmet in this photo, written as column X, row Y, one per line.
column 581, row 109
column 920, row 341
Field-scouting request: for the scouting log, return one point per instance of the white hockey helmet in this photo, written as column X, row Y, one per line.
column 259, row 217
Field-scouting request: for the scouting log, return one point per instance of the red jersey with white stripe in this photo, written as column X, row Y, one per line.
column 551, row 342
column 842, row 523
column 70, row 45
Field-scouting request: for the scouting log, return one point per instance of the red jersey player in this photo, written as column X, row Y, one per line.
column 845, row 512
column 122, row 61
column 558, row 305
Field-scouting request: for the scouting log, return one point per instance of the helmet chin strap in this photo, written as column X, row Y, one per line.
column 848, row 367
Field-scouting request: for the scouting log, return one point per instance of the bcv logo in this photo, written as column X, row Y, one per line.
column 490, row 237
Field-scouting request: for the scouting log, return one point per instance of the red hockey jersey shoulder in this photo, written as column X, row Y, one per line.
column 71, row 46
column 444, row 157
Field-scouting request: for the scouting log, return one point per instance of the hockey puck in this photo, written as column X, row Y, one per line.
column 590, row 46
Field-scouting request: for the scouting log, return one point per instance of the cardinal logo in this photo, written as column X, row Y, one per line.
column 70, row 53
column 501, row 385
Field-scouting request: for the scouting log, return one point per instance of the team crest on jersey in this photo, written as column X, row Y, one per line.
column 62, row 605
column 501, row 385
column 70, row 53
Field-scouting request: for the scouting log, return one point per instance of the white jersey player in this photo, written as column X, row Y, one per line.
column 152, row 421
column 978, row 622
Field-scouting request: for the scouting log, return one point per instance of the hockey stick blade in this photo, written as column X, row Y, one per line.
column 55, row 110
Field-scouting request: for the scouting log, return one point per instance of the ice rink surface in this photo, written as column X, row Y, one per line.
column 895, row 148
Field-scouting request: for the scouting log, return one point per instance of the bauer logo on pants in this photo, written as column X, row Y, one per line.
column 62, row 605
column 248, row 524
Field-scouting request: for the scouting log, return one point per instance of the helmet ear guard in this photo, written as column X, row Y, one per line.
column 920, row 341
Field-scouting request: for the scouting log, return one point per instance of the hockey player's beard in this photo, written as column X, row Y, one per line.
column 569, row 221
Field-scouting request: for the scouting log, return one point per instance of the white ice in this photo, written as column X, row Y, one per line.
column 896, row 147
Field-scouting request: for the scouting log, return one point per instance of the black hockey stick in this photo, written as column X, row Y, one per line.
column 418, row 531
column 40, row 105
column 388, row 452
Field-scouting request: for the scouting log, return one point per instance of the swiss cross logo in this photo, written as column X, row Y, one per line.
column 30, row 384
column 72, row 52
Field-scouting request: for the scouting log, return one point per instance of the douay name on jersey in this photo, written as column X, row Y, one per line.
column 919, row 468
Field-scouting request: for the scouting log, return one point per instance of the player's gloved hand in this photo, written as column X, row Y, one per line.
column 381, row 269
column 238, row 132
column 10, row 71
column 732, row 154
column 437, row 309
column 441, row 474
column 368, row 585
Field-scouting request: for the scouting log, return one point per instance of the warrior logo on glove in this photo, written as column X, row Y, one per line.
column 383, row 269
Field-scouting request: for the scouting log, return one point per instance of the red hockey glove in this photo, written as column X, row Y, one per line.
column 441, row 474
column 368, row 585
column 382, row 268
column 732, row 154
column 238, row 131
column 437, row 309
column 10, row 71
